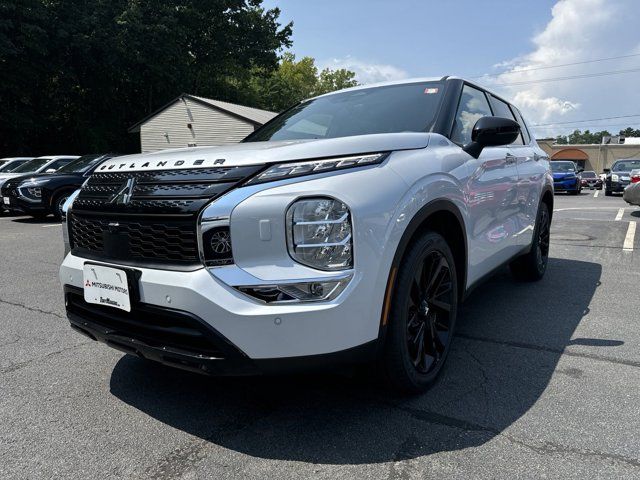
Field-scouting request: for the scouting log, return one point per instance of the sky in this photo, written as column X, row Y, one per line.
column 491, row 42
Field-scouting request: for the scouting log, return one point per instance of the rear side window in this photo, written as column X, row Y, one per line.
column 501, row 109
column 472, row 106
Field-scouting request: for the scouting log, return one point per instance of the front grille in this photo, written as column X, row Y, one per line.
column 174, row 242
column 157, row 224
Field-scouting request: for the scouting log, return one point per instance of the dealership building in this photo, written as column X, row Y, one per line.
column 594, row 157
column 190, row 121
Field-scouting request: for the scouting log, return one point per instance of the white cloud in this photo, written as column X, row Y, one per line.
column 579, row 30
column 366, row 72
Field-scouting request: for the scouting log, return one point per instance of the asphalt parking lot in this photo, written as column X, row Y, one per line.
column 543, row 381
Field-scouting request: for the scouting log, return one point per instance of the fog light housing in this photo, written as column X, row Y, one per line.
column 319, row 233
column 311, row 291
column 216, row 245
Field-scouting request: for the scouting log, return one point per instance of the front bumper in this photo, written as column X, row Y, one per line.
column 179, row 339
column 566, row 185
column 257, row 331
column 21, row 205
column 618, row 186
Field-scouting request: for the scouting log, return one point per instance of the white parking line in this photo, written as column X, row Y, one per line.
column 628, row 240
column 49, row 226
column 595, row 195
column 620, row 214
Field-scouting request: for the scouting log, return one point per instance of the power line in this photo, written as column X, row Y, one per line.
column 582, row 121
column 572, row 77
column 590, row 127
column 511, row 72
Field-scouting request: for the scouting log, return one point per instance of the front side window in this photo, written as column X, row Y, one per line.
column 390, row 109
column 523, row 127
column 473, row 105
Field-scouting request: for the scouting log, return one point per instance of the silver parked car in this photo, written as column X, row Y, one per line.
column 348, row 229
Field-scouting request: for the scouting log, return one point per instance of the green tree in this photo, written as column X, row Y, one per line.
column 75, row 74
column 294, row 81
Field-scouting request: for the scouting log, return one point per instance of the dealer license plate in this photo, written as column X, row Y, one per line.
column 106, row 286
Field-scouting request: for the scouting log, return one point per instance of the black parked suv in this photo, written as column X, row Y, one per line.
column 44, row 194
column 619, row 176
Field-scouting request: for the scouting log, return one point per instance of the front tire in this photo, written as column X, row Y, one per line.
column 607, row 192
column 422, row 315
column 58, row 203
column 532, row 266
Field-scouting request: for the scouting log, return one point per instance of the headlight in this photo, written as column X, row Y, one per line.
column 281, row 171
column 319, row 233
column 35, row 191
column 615, row 178
column 30, row 193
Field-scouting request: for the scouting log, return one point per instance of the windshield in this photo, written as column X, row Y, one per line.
column 394, row 108
column 589, row 175
column 32, row 165
column 563, row 167
column 80, row 165
column 625, row 165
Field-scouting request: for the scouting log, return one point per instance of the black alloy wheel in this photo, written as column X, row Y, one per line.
column 544, row 238
column 429, row 306
column 532, row 265
column 422, row 315
column 57, row 212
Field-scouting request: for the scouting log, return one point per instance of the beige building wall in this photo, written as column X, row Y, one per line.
column 598, row 157
column 188, row 123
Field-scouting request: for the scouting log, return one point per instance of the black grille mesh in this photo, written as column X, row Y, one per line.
column 159, row 222
column 146, row 240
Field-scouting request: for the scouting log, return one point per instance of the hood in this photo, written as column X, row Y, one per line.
column 559, row 175
column 51, row 176
column 258, row 153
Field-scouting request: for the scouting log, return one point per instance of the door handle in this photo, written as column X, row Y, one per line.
column 510, row 159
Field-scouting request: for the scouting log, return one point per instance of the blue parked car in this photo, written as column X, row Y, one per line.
column 566, row 177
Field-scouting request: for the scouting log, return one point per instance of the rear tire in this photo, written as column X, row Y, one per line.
column 532, row 266
column 422, row 315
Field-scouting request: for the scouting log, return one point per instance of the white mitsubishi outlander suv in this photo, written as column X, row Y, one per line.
column 346, row 230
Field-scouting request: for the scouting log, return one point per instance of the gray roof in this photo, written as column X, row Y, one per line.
column 253, row 115
column 250, row 113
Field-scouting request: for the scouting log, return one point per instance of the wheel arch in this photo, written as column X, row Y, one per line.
column 55, row 194
column 444, row 217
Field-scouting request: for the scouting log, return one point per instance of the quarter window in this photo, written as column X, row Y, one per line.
column 473, row 105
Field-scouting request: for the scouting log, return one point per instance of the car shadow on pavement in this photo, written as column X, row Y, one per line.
column 510, row 338
column 34, row 220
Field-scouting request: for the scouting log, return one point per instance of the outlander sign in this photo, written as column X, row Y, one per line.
column 159, row 165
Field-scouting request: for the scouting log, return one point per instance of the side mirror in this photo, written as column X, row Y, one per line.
column 606, row 170
column 50, row 170
column 491, row 132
